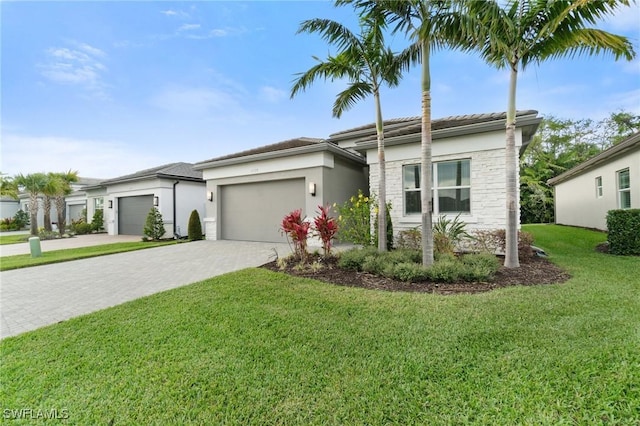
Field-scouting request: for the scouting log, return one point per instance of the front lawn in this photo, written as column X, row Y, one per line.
column 13, row 238
column 55, row 256
column 260, row 347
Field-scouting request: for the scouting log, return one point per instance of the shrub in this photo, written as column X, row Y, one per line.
column 409, row 271
column 409, row 239
column 97, row 222
column 8, row 224
column 354, row 258
column 354, row 217
column 447, row 234
column 326, row 228
column 624, row 231
column 81, row 227
column 297, row 231
column 21, row 219
column 194, row 231
column 481, row 267
column 154, row 226
column 485, row 240
column 495, row 240
column 375, row 264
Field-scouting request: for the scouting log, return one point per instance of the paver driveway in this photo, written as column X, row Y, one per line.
column 34, row 297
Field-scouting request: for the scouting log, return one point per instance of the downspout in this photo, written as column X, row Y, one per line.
column 174, row 208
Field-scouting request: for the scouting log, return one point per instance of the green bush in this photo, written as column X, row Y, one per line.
column 481, row 267
column 355, row 258
column 21, row 219
column 447, row 233
column 195, row 226
column 80, row 227
column 624, row 231
column 97, row 222
column 408, row 272
column 154, row 226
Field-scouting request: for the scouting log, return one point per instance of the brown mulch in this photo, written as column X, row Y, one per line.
column 534, row 271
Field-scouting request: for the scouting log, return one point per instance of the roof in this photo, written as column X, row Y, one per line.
column 627, row 145
column 413, row 125
column 288, row 144
column 181, row 171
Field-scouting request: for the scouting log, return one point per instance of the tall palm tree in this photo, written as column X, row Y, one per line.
column 33, row 183
column 520, row 33
column 426, row 22
column 64, row 189
column 367, row 64
column 51, row 188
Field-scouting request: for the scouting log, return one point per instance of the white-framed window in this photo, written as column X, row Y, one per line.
column 451, row 187
column 624, row 189
column 599, row 187
column 98, row 203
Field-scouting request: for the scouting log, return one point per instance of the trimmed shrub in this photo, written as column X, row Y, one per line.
column 408, row 272
column 80, row 227
column 624, row 231
column 354, row 258
column 376, row 264
column 194, row 231
column 154, row 226
column 21, row 219
column 481, row 267
column 97, row 222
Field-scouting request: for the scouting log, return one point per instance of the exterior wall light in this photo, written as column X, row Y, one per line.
column 312, row 189
column 156, row 201
column 210, row 195
column 110, row 204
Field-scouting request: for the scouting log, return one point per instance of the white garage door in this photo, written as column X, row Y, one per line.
column 254, row 211
column 132, row 214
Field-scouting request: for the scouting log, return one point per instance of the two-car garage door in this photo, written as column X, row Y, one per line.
column 132, row 214
column 254, row 211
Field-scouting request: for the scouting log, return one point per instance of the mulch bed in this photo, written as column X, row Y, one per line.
column 534, row 271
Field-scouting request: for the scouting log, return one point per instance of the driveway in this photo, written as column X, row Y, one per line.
column 34, row 297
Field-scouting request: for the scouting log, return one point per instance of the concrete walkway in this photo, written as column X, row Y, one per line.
column 34, row 297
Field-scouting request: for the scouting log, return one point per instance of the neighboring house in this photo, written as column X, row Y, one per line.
column 250, row 192
column 608, row 181
column 175, row 189
column 8, row 207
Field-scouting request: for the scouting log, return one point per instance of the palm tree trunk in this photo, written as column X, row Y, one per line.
column 425, row 158
column 33, row 211
column 382, row 180
column 46, row 207
column 62, row 219
column 511, row 240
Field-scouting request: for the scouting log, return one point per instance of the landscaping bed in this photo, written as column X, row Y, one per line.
column 532, row 271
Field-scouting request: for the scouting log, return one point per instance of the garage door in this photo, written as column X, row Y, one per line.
column 132, row 214
column 254, row 211
column 75, row 211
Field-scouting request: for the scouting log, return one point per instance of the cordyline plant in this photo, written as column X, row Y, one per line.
column 326, row 228
column 297, row 230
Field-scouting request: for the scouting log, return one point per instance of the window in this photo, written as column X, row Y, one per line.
column 624, row 189
column 599, row 187
column 451, row 187
column 98, row 203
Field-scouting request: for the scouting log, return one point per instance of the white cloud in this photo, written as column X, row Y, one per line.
column 92, row 158
column 272, row 94
column 176, row 13
column 79, row 65
column 189, row 27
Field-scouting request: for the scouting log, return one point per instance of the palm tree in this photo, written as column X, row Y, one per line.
column 51, row 188
column 532, row 31
column 64, row 189
column 367, row 64
column 32, row 183
column 8, row 187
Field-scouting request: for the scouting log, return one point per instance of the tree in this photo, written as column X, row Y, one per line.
column 51, row 188
column 8, row 187
column 32, row 183
column 66, row 179
column 367, row 64
column 154, row 226
column 531, row 31
column 194, row 231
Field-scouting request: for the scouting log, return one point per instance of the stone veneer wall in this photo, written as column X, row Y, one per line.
column 488, row 197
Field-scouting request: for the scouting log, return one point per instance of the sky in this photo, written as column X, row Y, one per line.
column 110, row 88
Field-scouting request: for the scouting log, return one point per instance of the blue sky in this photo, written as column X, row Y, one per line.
column 109, row 88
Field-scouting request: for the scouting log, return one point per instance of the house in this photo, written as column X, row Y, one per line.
column 175, row 189
column 250, row 192
column 608, row 181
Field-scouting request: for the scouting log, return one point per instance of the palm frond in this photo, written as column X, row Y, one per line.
column 331, row 31
column 346, row 99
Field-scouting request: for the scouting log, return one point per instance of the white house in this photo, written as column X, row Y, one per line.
column 250, row 192
column 608, row 181
column 175, row 189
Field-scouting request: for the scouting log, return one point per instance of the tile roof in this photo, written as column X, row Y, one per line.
column 288, row 144
column 409, row 125
column 172, row 170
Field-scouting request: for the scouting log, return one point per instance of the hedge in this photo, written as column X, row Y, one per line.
column 624, row 231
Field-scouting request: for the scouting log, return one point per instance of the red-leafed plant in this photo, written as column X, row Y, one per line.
column 297, row 230
column 326, row 228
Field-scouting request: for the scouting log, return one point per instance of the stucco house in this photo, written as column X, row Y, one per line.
column 250, row 192
column 175, row 189
column 608, row 181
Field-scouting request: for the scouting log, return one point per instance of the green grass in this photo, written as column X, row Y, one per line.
column 56, row 256
column 13, row 238
column 258, row 347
